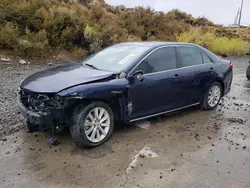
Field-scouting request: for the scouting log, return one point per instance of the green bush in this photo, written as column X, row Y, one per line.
column 226, row 46
column 33, row 27
column 219, row 45
column 79, row 53
column 92, row 37
column 8, row 35
column 33, row 44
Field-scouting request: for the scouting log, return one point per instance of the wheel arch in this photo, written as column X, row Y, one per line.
column 115, row 103
column 221, row 82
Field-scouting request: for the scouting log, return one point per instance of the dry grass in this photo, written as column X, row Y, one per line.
column 37, row 27
column 217, row 44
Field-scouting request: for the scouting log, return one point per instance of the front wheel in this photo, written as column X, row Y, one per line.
column 212, row 97
column 93, row 124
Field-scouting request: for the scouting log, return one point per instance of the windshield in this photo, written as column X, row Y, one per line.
column 115, row 58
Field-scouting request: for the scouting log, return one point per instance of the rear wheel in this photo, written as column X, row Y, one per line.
column 212, row 97
column 93, row 124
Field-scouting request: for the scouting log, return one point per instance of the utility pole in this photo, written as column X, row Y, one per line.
column 241, row 7
column 236, row 21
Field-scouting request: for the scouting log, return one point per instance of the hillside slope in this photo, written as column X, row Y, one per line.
column 42, row 27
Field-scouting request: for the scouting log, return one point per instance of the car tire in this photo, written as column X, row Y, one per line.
column 212, row 96
column 93, row 124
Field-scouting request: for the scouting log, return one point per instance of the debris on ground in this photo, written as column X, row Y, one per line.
column 5, row 59
column 53, row 141
column 22, row 62
column 146, row 152
column 236, row 120
column 3, row 139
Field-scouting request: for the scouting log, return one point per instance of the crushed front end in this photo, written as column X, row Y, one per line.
column 41, row 111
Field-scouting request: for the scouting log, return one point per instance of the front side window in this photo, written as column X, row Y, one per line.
column 189, row 56
column 160, row 60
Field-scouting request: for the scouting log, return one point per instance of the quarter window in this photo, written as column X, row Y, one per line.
column 160, row 60
column 206, row 59
column 189, row 56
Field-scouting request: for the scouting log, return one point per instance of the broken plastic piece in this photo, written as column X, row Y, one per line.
column 53, row 141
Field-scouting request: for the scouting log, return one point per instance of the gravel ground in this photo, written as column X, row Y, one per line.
column 240, row 63
column 192, row 148
column 11, row 74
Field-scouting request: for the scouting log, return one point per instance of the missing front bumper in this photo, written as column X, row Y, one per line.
column 41, row 120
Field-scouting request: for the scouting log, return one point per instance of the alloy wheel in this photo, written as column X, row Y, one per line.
column 214, row 96
column 97, row 124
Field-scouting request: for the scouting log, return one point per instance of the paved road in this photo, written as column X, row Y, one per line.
column 192, row 148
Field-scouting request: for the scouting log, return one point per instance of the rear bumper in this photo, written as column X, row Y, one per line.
column 42, row 120
column 248, row 71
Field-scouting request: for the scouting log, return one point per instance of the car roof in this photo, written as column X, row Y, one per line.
column 155, row 44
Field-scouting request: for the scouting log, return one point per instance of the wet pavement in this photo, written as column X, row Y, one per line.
column 191, row 148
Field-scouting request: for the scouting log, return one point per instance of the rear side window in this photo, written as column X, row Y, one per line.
column 160, row 60
column 190, row 56
column 206, row 59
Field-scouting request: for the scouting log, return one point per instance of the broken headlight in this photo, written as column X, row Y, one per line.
column 38, row 101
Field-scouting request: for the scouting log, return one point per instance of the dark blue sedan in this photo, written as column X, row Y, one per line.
column 123, row 83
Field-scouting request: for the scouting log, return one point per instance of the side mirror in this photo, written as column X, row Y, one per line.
column 138, row 75
column 249, row 62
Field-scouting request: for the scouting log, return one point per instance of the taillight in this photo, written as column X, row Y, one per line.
column 231, row 65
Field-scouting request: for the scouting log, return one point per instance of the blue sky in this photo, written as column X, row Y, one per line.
column 219, row 11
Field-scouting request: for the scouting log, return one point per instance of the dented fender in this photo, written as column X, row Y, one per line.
column 112, row 90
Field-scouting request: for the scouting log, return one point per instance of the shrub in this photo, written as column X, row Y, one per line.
column 219, row 45
column 79, row 53
column 32, row 27
column 226, row 46
column 8, row 35
column 92, row 37
column 33, row 44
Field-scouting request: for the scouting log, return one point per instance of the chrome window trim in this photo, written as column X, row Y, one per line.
column 175, row 69
column 164, row 112
column 201, row 52
column 166, row 46
column 198, row 50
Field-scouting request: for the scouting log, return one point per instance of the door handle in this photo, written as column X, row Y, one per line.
column 211, row 68
column 176, row 76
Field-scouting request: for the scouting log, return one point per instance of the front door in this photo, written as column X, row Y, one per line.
column 156, row 92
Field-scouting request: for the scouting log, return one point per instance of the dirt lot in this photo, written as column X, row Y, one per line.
column 192, row 148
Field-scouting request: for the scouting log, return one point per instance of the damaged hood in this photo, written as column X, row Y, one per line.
column 62, row 77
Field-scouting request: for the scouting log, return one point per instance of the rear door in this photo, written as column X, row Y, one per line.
column 195, row 71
